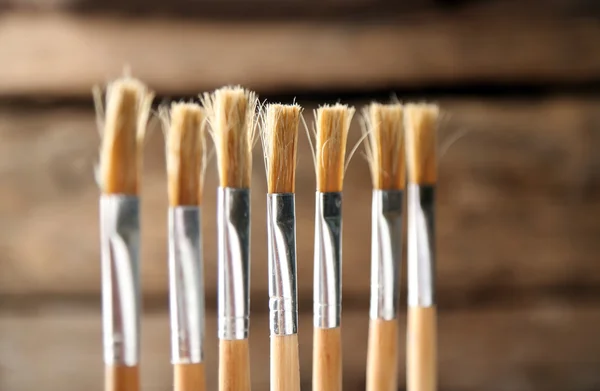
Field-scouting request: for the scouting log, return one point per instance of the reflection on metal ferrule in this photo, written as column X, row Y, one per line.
column 328, row 260
column 119, row 230
column 386, row 253
column 233, row 223
column 281, row 226
column 186, row 285
column 421, row 245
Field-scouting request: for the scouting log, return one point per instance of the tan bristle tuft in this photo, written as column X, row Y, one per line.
column 280, row 140
column 385, row 146
column 127, row 108
column 333, row 123
column 421, row 142
column 232, row 117
column 186, row 154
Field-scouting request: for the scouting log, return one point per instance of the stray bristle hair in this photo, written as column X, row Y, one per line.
column 279, row 136
column 128, row 104
column 384, row 145
column 421, row 139
column 232, row 116
column 185, row 152
column 333, row 123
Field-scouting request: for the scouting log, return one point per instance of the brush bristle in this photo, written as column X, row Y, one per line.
column 127, row 108
column 385, row 146
column 232, row 117
column 280, row 139
column 421, row 141
column 186, row 153
column 333, row 123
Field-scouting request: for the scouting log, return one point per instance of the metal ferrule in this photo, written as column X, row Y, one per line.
column 119, row 240
column 386, row 253
column 233, row 222
column 328, row 260
column 186, row 283
column 421, row 245
column 281, row 227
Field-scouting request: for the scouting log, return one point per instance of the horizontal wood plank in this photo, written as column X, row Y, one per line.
column 184, row 56
column 517, row 208
column 551, row 348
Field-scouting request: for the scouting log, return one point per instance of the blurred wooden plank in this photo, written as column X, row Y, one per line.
column 64, row 55
column 518, row 206
column 496, row 351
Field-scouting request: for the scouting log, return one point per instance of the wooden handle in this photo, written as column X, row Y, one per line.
column 234, row 365
column 421, row 356
column 121, row 378
column 382, row 355
column 189, row 377
column 327, row 360
column 285, row 368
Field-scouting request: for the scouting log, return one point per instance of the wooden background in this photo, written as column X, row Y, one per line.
column 518, row 271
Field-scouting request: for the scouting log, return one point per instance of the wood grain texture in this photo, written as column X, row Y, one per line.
column 178, row 56
column 285, row 366
column 421, row 353
column 523, row 180
column 382, row 355
column 189, row 377
column 327, row 359
column 234, row 365
column 515, row 344
column 121, row 378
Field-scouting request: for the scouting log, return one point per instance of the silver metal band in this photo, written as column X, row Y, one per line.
column 281, row 227
column 328, row 260
column 233, row 221
column 119, row 239
column 421, row 245
column 186, row 283
column 386, row 253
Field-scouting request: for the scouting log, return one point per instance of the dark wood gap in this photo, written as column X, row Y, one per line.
column 292, row 10
column 485, row 90
column 496, row 298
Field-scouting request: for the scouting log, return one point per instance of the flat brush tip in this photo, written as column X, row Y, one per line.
column 127, row 108
column 385, row 145
column 333, row 124
column 185, row 143
column 232, row 116
column 421, row 122
column 280, row 138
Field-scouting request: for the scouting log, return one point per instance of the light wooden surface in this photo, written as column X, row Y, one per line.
column 493, row 349
column 189, row 377
column 285, row 366
column 382, row 355
column 327, row 359
column 234, row 365
column 421, row 352
column 121, row 378
column 178, row 56
column 522, row 181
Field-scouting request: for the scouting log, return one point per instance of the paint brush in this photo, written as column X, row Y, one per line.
column 186, row 160
column 421, row 129
column 385, row 154
column 232, row 117
column 332, row 125
column 127, row 108
column 280, row 138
